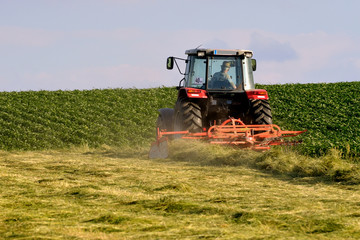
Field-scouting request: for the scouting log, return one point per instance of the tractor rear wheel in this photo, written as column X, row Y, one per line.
column 261, row 112
column 187, row 116
column 165, row 119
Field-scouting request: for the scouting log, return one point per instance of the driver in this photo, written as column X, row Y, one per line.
column 222, row 80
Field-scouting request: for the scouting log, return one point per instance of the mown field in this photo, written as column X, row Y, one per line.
column 120, row 117
column 200, row 192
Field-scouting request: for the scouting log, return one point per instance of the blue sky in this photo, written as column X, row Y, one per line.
column 87, row 44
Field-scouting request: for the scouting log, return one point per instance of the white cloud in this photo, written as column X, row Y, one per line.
column 317, row 53
column 18, row 36
column 114, row 34
column 120, row 76
column 270, row 49
column 31, row 37
column 125, row 75
column 355, row 62
column 282, row 58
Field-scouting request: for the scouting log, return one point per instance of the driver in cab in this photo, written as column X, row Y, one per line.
column 222, row 80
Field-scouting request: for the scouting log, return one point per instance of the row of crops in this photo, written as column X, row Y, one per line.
column 60, row 119
column 330, row 112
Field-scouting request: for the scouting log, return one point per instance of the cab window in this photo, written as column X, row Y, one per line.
column 225, row 73
column 197, row 73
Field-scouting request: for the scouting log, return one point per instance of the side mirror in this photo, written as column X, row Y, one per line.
column 253, row 64
column 170, row 63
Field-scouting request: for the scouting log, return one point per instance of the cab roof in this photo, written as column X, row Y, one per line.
column 213, row 52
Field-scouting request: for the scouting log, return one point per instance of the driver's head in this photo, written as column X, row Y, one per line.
column 225, row 65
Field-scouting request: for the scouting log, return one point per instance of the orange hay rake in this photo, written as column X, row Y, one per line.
column 230, row 132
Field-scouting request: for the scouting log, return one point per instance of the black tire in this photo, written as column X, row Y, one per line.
column 165, row 119
column 260, row 112
column 187, row 116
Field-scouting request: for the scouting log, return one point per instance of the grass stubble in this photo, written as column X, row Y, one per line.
column 201, row 191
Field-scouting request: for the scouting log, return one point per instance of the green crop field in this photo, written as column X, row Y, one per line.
column 121, row 117
column 61, row 119
column 330, row 112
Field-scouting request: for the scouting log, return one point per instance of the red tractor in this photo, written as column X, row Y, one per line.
column 217, row 85
column 217, row 101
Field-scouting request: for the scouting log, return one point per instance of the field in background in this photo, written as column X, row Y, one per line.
column 122, row 117
column 112, row 193
column 330, row 112
column 62, row 119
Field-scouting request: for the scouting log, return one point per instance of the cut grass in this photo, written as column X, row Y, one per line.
column 279, row 160
column 119, row 194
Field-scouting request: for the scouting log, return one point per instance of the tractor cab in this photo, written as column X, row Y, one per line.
column 217, row 84
column 217, row 70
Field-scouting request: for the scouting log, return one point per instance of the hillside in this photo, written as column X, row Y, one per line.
column 121, row 117
column 330, row 112
column 61, row 119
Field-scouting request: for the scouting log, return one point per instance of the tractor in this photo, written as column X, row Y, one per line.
column 217, row 102
column 217, row 85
